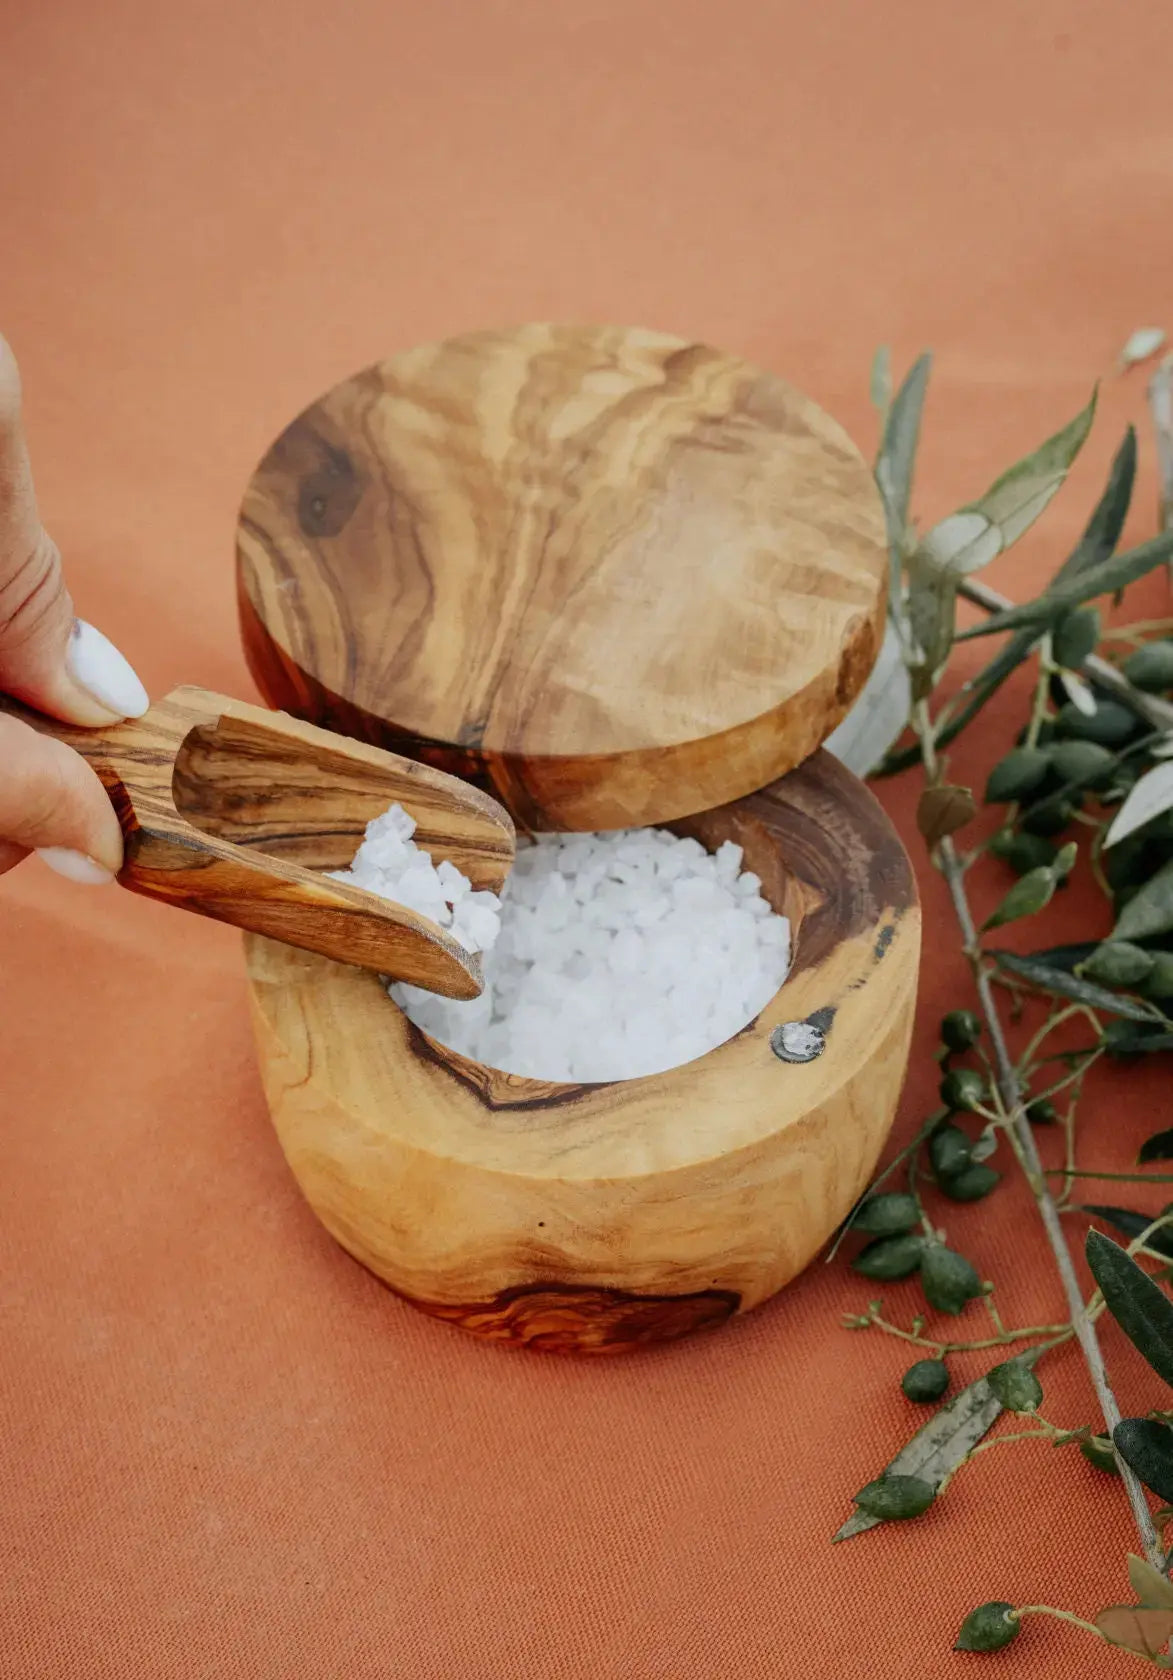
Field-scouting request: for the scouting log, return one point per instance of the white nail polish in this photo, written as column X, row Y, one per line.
column 75, row 866
column 96, row 665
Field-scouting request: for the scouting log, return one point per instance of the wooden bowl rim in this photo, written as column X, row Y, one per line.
column 537, row 1129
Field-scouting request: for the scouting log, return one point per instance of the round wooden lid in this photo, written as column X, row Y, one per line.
column 615, row 576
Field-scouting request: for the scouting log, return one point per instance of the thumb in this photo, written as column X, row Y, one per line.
column 48, row 658
column 53, row 803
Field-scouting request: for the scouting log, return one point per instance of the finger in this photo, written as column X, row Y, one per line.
column 51, row 802
column 48, row 657
column 11, row 855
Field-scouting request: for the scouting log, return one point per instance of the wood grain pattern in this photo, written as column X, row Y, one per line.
column 599, row 1217
column 229, row 811
column 563, row 1318
column 611, row 575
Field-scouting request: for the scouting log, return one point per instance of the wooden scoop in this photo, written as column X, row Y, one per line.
column 231, row 810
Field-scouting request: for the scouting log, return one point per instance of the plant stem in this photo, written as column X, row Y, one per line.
column 1064, row 1616
column 1090, row 1057
column 1069, row 1146
column 1124, row 1178
column 992, row 1310
column 1060, row 1015
column 1139, row 631
column 1155, row 711
column 1042, row 694
column 1161, row 408
column 987, row 1446
column 914, row 1192
column 1006, row 1338
column 909, row 1149
column 1027, row 1150
column 1095, row 858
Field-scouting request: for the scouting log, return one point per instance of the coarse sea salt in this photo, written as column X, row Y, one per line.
column 618, row 954
column 390, row 864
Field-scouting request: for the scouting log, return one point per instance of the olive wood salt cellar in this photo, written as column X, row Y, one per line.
column 241, row 814
column 614, row 579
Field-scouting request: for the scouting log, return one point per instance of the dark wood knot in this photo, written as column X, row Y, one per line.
column 328, row 496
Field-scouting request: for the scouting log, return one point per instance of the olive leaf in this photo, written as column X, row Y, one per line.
column 1097, row 543
column 1159, row 1147
column 1122, row 1038
column 1132, row 1224
column 941, row 811
column 1065, row 957
column 973, row 536
column 1142, row 1310
column 1146, row 1632
column 897, row 453
column 1159, row 980
column 880, row 382
column 941, row 1444
column 1154, row 1590
column 1080, row 693
column 1151, row 910
column 932, row 613
column 1102, row 579
column 1161, row 408
column 1147, row 1448
column 1103, row 529
column 1031, row 893
column 1140, row 345
column 1065, row 859
column 1151, row 797
column 1050, row 978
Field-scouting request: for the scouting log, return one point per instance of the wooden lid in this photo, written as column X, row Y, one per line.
column 615, row 576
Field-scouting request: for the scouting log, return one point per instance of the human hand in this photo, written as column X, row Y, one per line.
column 51, row 801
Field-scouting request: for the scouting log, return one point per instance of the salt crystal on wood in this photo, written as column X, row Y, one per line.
column 618, row 955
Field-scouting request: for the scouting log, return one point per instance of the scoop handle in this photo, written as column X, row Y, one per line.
column 170, row 858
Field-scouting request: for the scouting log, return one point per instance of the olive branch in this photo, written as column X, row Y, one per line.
column 1091, row 775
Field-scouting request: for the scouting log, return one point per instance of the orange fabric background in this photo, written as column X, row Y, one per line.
column 224, row 1450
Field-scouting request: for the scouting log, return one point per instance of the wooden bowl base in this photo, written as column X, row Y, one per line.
column 601, row 1218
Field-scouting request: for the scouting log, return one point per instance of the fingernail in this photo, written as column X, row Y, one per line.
column 96, row 665
column 75, row 866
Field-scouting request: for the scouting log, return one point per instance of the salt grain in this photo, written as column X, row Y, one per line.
column 608, row 956
column 390, row 864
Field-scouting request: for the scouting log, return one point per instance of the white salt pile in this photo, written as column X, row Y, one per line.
column 391, row 864
column 619, row 954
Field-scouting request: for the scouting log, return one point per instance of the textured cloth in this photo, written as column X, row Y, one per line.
column 225, row 1450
